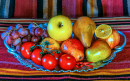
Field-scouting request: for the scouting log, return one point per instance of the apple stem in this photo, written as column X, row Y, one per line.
column 60, row 24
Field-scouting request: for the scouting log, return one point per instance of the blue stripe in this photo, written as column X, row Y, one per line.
column 11, row 8
column 100, row 10
column 39, row 8
column 13, row 63
column 125, row 8
column 2, row 8
column 84, row 7
column 59, row 7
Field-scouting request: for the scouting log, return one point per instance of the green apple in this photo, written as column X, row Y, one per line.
column 59, row 28
column 99, row 50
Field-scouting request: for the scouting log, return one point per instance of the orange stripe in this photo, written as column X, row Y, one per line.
column 50, row 5
column 91, row 7
column 17, row 72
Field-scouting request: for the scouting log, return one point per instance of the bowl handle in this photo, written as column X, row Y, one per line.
column 120, row 48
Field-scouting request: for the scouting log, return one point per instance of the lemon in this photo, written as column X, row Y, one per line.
column 103, row 31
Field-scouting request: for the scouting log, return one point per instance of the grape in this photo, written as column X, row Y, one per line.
column 45, row 34
column 16, row 41
column 15, row 34
column 11, row 28
column 23, row 32
column 31, row 25
column 3, row 35
column 8, row 39
column 28, row 32
column 18, row 47
column 38, row 31
column 18, row 26
column 32, row 31
column 26, row 39
column 34, row 39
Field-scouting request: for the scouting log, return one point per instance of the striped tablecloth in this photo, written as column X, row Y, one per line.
column 119, row 68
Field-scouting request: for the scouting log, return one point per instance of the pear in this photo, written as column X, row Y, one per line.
column 99, row 50
column 84, row 29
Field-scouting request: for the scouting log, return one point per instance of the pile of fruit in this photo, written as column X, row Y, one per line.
column 56, row 46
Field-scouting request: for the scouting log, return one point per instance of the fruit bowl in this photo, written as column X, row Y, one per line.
column 96, row 65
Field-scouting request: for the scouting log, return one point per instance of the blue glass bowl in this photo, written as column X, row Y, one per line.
column 96, row 65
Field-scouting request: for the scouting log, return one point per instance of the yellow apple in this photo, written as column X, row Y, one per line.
column 59, row 28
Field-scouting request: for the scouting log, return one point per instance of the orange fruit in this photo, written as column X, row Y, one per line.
column 54, row 45
column 114, row 39
column 103, row 31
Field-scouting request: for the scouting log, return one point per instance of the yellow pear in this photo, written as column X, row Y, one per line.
column 99, row 50
column 84, row 28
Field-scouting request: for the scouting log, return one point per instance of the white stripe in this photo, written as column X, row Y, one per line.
column 6, row 11
column 45, row 8
column 54, row 8
column 94, row 7
column 88, row 8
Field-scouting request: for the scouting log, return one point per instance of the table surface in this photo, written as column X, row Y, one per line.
column 119, row 68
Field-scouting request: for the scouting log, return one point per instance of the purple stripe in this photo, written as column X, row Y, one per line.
column 13, row 63
column 66, row 77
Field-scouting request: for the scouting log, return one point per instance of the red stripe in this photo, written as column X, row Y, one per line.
column 25, row 9
column 112, row 8
column 65, row 77
column 72, row 8
column 79, row 11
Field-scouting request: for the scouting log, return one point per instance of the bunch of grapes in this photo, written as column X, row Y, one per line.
column 18, row 35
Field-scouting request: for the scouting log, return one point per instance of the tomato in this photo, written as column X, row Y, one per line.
column 36, row 56
column 25, row 48
column 67, row 62
column 57, row 55
column 49, row 62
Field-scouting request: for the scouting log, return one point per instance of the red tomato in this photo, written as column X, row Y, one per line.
column 25, row 49
column 49, row 62
column 36, row 56
column 57, row 55
column 67, row 62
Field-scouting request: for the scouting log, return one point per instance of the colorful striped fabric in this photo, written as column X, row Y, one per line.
column 71, row 8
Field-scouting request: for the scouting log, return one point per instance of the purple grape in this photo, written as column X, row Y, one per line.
column 3, row 35
column 34, row 39
column 31, row 25
column 15, row 34
column 18, row 47
column 26, row 39
column 8, row 39
column 16, row 41
column 18, row 26
column 28, row 32
column 38, row 31
column 45, row 34
column 11, row 28
column 32, row 31
column 23, row 32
